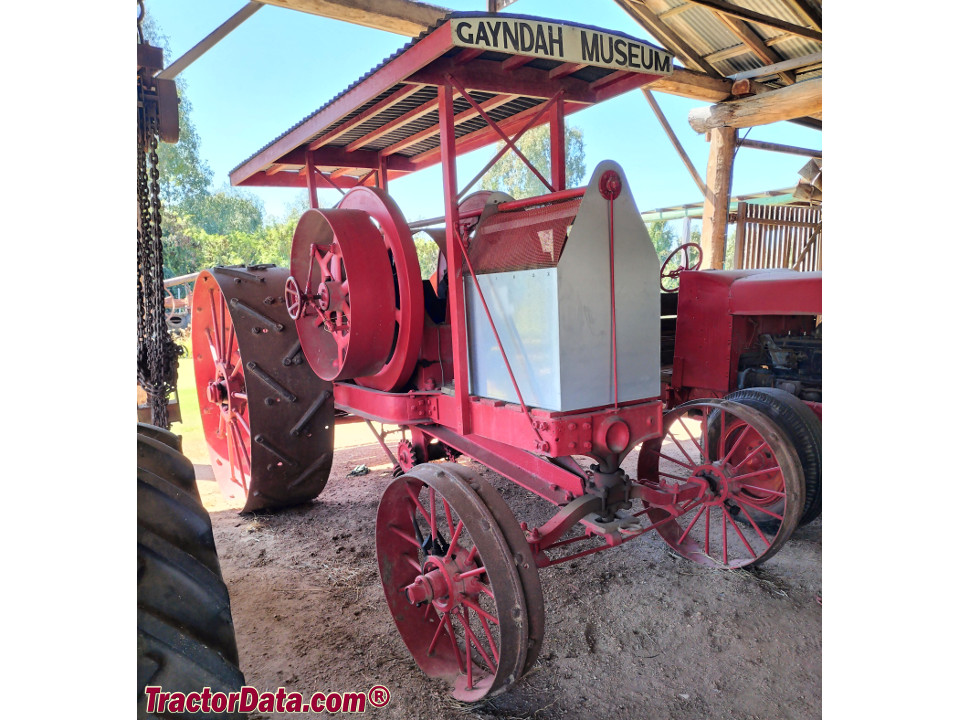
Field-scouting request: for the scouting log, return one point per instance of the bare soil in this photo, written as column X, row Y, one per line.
column 633, row 632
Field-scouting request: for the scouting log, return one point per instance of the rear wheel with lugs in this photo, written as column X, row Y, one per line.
column 267, row 418
column 185, row 634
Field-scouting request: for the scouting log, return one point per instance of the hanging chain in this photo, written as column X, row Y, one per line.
column 156, row 352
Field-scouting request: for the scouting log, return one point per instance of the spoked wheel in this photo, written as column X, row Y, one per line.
column 460, row 579
column 407, row 286
column 267, row 418
column 726, row 461
column 804, row 429
column 339, row 269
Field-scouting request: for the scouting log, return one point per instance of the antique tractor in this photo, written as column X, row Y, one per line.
column 535, row 349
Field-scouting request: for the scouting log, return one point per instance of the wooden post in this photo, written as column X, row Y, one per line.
column 716, row 206
column 741, row 236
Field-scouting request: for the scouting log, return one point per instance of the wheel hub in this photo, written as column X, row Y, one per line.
column 217, row 392
column 442, row 583
column 714, row 482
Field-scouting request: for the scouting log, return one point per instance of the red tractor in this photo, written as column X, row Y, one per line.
column 754, row 336
column 536, row 350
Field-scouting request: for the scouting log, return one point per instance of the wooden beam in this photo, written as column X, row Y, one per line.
column 795, row 101
column 403, row 17
column 759, row 18
column 691, row 84
column 676, row 141
column 228, row 26
column 791, row 64
column 807, row 12
column 674, row 11
column 767, row 55
column 716, row 205
column 777, row 147
column 666, row 36
column 726, row 53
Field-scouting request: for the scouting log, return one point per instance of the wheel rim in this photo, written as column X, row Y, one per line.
column 746, row 470
column 408, row 287
column 222, row 388
column 451, row 582
column 340, row 266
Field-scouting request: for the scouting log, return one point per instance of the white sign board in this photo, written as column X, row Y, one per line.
column 564, row 43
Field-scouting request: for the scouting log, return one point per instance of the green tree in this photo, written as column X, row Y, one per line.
column 664, row 238
column 204, row 228
column 427, row 253
column 228, row 211
column 181, row 249
column 511, row 175
column 184, row 176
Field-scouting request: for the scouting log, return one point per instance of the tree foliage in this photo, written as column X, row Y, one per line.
column 665, row 240
column 512, row 176
column 427, row 253
column 664, row 237
column 203, row 228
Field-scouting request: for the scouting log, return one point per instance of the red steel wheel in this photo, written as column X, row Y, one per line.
column 267, row 418
column 460, row 580
column 339, row 264
column 730, row 462
column 408, row 287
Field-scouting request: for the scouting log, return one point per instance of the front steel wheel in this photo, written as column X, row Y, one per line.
column 460, row 580
column 740, row 478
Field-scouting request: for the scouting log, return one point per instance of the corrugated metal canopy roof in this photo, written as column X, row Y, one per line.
column 722, row 38
column 389, row 118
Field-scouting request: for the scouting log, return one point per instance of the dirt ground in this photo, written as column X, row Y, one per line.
column 633, row 632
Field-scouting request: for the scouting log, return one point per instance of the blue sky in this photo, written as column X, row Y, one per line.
column 281, row 65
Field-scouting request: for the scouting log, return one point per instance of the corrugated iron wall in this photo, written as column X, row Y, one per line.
column 778, row 236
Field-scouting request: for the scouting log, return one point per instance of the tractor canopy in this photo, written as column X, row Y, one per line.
column 512, row 66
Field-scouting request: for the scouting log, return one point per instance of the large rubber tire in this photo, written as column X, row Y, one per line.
column 185, row 635
column 805, row 431
column 165, row 436
column 157, row 454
